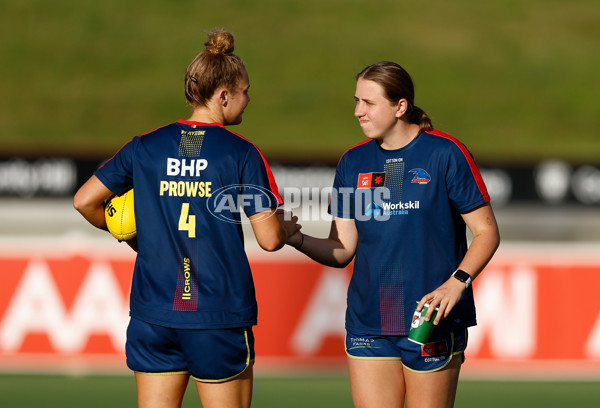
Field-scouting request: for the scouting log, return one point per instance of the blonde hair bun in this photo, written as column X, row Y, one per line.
column 220, row 42
column 216, row 65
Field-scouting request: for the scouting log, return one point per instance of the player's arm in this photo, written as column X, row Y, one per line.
column 486, row 238
column 337, row 250
column 269, row 233
column 89, row 201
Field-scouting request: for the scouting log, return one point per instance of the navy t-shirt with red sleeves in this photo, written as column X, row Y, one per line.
column 192, row 181
column 407, row 205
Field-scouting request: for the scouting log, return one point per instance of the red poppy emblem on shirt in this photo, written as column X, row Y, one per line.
column 368, row 180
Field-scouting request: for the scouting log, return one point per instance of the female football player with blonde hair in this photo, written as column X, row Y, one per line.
column 192, row 302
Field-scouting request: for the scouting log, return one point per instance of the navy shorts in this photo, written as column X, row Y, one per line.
column 433, row 356
column 208, row 355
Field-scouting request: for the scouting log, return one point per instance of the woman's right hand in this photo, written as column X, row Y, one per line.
column 289, row 222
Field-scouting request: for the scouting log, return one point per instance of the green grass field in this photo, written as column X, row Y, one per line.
column 27, row 391
column 513, row 80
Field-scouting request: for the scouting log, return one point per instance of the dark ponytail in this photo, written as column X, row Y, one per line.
column 419, row 116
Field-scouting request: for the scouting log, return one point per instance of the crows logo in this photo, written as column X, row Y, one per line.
column 420, row 176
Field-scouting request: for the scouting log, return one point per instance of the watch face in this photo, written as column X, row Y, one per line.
column 462, row 276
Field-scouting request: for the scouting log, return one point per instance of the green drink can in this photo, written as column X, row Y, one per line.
column 420, row 330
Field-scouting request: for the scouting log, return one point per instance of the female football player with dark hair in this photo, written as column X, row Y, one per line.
column 401, row 202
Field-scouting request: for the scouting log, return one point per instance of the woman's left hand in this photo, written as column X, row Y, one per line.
column 483, row 226
column 445, row 297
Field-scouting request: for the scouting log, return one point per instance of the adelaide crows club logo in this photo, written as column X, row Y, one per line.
column 420, row 176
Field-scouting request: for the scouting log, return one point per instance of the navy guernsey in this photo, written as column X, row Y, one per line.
column 407, row 206
column 191, row 181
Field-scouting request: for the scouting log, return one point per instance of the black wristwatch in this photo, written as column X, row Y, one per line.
column 463, row 277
